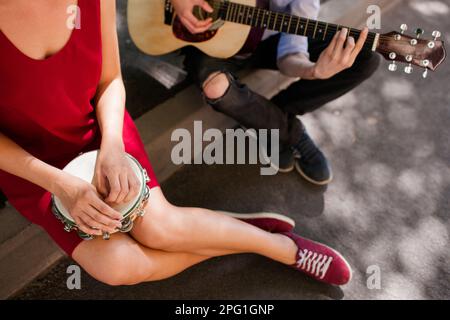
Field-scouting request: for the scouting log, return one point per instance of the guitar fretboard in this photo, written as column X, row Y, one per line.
column 287, row 23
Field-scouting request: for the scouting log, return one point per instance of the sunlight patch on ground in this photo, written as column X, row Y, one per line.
column 347, row 101
column 379, row 174
column 314, row 128
column 433, row 237
column 397, row 286
column 398, row 89
column 430, row 8
column 411, row 183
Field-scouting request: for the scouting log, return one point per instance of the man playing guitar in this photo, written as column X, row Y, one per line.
column 327, row 71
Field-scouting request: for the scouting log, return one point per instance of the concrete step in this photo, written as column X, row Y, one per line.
column 11, row 223
column 26, row 251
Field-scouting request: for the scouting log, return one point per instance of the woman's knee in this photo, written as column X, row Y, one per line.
column 121, row 270
column 160, row 228
column 119, row 261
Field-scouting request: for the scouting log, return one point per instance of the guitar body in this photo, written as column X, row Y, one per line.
column 152, row 36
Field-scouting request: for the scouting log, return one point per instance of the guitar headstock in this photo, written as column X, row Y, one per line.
column 415, row 51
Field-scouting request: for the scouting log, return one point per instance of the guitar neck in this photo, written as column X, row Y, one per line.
column 287, row 23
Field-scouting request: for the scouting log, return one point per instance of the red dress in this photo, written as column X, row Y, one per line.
column 46, row 108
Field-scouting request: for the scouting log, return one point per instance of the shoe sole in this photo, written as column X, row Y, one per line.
column 262, row 215
column 317, row 183
column 286, row 170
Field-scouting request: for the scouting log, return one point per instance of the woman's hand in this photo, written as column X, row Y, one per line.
column 114, row 178
column 184, row 9
column 90, row 213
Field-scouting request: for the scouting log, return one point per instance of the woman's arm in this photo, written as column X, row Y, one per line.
column 15, row 160
column 79, row 197
column 111, row 91
column 114, row 177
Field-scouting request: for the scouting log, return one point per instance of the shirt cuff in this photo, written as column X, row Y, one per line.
column 291, row 44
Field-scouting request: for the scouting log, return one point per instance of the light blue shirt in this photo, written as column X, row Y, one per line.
column 290, row 44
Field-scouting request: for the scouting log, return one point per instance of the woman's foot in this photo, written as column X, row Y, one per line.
column 320, row 262
column 271, row 222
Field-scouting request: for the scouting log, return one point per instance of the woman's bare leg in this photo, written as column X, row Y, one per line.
column 123, row 261
column 205, row 232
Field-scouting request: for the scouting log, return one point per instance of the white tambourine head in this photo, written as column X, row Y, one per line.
column 83, row 167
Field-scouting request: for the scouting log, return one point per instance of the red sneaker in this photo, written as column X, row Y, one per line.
column 320, row 262
column 271, row 222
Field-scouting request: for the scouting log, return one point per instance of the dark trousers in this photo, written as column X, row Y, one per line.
column 254, row 111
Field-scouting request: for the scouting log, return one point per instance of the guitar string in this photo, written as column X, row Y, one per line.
column 274, row 19
column 281, row 16
column 222, row 5
column 334, row 28
column 277, row 19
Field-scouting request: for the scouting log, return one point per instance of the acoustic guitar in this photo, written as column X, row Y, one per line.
column 156, row 30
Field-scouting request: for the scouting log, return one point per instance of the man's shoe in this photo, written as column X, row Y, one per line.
column 310, row 162
column 286, row 161
column 271, row 222
column 320, row 262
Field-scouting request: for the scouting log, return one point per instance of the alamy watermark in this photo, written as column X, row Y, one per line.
column 207, row 147
column 374, row 277
column 73, row 281
column 374, row 20
column 74, row 19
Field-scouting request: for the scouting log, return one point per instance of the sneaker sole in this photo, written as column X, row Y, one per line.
column 267, row 215
column 317, row 183
column 283, row 170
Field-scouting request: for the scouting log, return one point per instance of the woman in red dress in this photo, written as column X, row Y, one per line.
column 62, row 94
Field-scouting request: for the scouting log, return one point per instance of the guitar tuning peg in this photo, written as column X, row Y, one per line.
column 425, row 63
column 436, row 34
column 392, row 67
column 419, row 32
column 409, row 69
column 404, row 28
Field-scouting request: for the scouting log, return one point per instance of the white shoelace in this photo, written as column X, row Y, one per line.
column 314, row 263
